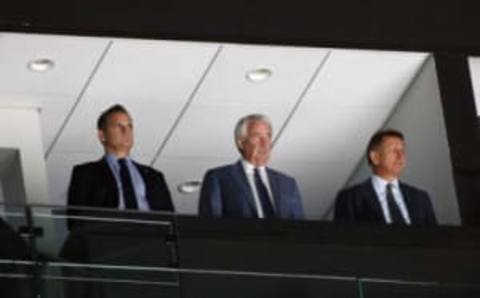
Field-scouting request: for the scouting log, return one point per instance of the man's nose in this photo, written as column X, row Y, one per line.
column 265, row 141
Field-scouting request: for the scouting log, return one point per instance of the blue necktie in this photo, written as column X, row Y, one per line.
column 129, row 197
column 263, row 196
column 395, row 214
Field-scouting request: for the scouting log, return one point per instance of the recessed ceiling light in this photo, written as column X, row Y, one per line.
column 188, row 187
column 258, row 75
column 41, row 65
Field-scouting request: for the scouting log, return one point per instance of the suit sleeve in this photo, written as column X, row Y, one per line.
column 77, row 193
column 166, row 203
column 430, row 218
column 210, row 202
column 344, row 208
column 297, row 207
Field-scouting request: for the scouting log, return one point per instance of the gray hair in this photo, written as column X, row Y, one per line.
column 242, row 124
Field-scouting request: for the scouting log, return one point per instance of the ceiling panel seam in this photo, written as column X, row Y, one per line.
column 301, row 97
column 328, row 212
column 79, row 98
column 187, row 104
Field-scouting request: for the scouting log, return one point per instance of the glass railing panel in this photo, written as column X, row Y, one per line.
column 16, row 278
column 109, row 253
column 117, row 282
column 89, row 252
column 219, row 284
column 378, row 288
column 16, row 270
column 15, row 233
column 99, row 236
column 80, row 280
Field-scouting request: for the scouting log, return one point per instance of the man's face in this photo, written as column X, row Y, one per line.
column 117, row 137
column 256, row 145
column 389, row 158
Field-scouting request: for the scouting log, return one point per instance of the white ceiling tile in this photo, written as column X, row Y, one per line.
column 291, row 67
column 153, row 80
column 150, row 72
column 54, row 91
column 352, row 97
column 328, row 134
column 177, row 171
column 364, row 78
column 207, row 131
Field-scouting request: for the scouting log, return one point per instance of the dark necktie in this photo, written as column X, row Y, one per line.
column 395, row 213
column 263, row 195
column 127, row 186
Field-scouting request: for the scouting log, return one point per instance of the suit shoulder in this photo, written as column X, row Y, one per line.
column 356, row 188
column 148, row 169
column 87, row 165
column 352, row 193
column 281, row 175
column 413, row 189
column 220, row 170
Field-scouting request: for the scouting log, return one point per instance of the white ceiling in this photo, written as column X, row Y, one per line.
column 185, row 98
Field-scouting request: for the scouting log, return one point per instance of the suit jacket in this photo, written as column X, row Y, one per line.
column 226, row 193
column 93, row 185
column 359, row 203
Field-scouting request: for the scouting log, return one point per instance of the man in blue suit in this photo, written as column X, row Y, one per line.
column 247, row 188
column 382, row 198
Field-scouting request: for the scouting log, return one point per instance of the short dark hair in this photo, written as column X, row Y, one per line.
column 103, row 118
column 377, row 139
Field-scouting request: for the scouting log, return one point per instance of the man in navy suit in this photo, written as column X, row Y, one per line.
column 382, row 198
column 247, row 188
column 116, row 181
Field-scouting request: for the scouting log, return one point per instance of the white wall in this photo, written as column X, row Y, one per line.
column 21, row 132
column 11, row 176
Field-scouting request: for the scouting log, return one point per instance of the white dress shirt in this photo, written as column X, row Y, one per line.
column 249, row 172
column 380, row 187
column 137, row 182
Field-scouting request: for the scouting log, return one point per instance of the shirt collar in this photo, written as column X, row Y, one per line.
column 249, row 167
column 112, row 159
column 380, row 184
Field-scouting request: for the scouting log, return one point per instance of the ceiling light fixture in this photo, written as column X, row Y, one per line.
column 41, row 65
column 258, row 75
column 188, row 187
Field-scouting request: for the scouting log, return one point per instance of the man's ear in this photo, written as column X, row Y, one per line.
column 101, row 136
column 374, row 157
column 240, row 144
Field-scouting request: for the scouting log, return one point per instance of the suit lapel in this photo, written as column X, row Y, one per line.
column 241, row 179
column 407, row 198
column 145, row 174
column 151, row 186
column 112, row 197
column 272, row 179
column 370, row 195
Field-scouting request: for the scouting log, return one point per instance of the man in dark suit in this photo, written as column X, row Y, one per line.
column 116, row 181
column 247, row 188
column 382, row 198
